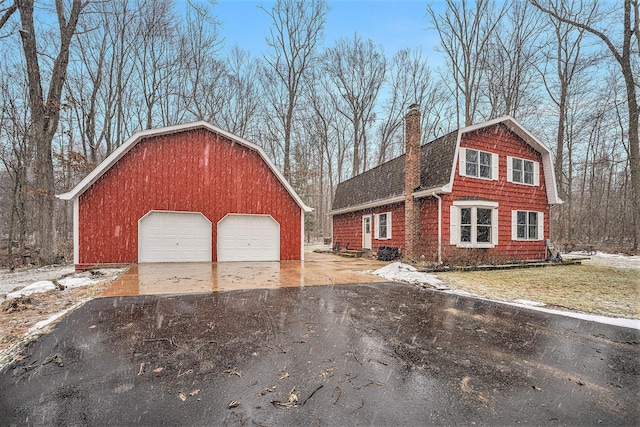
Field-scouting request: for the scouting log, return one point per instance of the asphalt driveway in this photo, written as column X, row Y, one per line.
column 383, row 354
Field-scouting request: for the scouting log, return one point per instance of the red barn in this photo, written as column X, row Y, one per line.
column 480, row 192
column 186, row 193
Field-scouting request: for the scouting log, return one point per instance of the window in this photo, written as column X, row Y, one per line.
column 383, row 226
column 474, row 224
column 478, row 164
column 523, row 171
column 527, row 225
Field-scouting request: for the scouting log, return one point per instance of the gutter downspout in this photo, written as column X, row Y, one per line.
column 439, row 226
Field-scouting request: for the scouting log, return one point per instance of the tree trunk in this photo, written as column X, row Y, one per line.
column 45, row 115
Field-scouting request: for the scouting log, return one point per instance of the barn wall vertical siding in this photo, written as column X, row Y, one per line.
column 194, row 171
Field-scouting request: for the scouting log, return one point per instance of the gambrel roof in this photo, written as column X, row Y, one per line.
column 384, row 184
column 139, row 136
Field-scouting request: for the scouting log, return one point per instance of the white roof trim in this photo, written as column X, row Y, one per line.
column 103, row 167
column 430, row 191
column 518, row 129
column 368, row 205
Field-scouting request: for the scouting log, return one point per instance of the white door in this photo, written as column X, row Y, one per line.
column 248, row 238
column 174, row 237
column 366, row 232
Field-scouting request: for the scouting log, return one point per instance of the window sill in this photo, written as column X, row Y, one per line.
column 478, row 177
column 476, row 245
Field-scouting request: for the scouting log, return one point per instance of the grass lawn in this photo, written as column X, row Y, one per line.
column 594, row 289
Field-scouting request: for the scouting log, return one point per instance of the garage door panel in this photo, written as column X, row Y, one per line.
column 174, row 237
column 248, row 238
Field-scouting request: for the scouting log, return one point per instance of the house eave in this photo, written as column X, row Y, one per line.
column 368, row 205
column 430, row 191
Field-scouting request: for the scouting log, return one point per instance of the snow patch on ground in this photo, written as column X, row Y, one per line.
column 615, row 321
column 43, row 323
column 405, row 273
column 34, row 288
column 400, row 272
column 609, row 260
column 76, row 282
column 539, row 306
column 23, row 283
column 526, row 302
column 13, row 280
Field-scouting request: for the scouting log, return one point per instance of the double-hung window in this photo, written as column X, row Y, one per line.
column 382, row 228
column 478, row 164
column 522, row 171
column 474, row 224
column 527, row 225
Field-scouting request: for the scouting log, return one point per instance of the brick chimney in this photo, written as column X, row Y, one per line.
column 411, row 181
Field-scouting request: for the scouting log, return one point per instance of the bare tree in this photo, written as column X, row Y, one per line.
column 465, row 35
column 565, row 63
column 511, row 58
column 15, row 155
column 205, row 92
column 45, row 109
column 156, row 58
column 321, row 123
column 242, row 103
column 357, row 69
column 86, row 80
column 296, row 32
column 409, row 81
column 628, row 62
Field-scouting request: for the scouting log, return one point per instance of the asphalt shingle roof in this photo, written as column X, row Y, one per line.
column 386, row 181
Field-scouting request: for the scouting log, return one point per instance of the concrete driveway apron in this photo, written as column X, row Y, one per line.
column 185, row 278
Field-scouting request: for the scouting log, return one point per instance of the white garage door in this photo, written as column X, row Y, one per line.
column 174, row 237
column 248, row 238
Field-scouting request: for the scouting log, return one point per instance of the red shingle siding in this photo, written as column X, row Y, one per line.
column 496, row 139
column 428, row 215
column 510, row 196
column 347, row 228
column 193, row 171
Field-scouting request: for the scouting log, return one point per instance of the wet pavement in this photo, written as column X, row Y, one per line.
column 368, row 354
column 183, row 278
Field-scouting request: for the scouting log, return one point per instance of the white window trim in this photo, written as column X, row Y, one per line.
column 462, row 164
column 454, row 221
column 514, row 226
column 376, row 228
column 536, row 172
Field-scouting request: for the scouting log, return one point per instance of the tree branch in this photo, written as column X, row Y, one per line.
column 7, row 14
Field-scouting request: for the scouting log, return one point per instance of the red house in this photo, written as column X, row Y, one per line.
column 483, row 191
column 186, row 193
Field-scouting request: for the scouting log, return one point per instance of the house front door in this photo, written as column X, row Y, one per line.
column 366, row 232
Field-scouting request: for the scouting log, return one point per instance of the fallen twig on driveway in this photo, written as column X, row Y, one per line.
column 359, row 407
column 312, row 393
column 233, row 371
column 169, row 340
column 339, row 393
